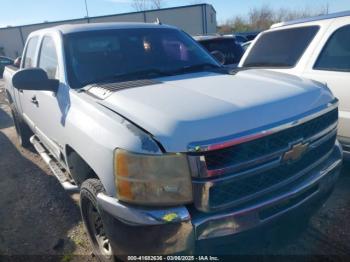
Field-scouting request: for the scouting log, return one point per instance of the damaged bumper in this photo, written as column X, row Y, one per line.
column 134, row 230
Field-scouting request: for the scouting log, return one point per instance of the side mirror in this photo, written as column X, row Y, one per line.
column 34, row 79
column 17, row 62
column 219, row 56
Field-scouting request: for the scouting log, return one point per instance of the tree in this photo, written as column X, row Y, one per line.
column 157, row 4
column 140, row 5
column 239, row 24
column 261, row 18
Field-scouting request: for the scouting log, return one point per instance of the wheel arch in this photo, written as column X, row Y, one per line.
column 9, row 97
column 78, row 167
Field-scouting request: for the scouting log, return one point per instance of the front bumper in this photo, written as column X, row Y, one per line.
column 134, row 230
column 347, row 155
column 345, row 142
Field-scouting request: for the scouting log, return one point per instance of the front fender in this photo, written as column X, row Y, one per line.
column 94, row 132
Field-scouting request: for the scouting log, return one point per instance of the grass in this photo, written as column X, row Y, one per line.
column 67, row 257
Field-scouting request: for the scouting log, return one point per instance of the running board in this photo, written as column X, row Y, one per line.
column 54, row 166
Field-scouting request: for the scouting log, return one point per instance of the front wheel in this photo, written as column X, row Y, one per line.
column 93, row 221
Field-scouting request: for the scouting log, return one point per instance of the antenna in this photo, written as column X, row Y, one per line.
column 87, row 10
column 158, row 22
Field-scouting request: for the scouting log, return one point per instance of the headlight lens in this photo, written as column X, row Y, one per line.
column 152, row 179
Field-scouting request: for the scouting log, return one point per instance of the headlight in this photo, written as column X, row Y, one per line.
column 152, row 179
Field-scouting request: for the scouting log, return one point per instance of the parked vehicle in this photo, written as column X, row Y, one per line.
column 248, row 35
column 4, row 61
column 240, row 39
column 246, row 45
column 227, row 45
column 168, row 148
column 317, row 48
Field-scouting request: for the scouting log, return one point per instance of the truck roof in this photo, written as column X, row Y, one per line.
column 74, row 28
column 312, row 19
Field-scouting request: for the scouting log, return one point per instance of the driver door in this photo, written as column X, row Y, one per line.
column 27, row 106
column 51, row 106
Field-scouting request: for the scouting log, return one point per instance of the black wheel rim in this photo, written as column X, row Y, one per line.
column 97, row 232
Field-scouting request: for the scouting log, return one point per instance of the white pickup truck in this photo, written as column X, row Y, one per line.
column 168, row 148
column 317, row 48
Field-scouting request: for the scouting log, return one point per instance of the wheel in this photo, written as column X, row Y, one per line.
column 93, row 221
column 23, row 131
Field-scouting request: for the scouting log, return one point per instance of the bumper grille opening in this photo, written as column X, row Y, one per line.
column 238, row 189
column 271, row 211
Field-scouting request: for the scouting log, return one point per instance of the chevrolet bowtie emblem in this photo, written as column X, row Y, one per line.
column 296, row 152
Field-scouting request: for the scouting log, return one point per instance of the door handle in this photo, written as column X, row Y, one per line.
column 35, row 101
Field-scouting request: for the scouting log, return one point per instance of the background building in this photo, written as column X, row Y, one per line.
column 194, row 19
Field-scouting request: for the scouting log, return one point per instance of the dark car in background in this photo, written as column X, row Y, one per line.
column 240, row 39
column 246, row 45
column 248, row 35
column 227, row 45
column 4, row 61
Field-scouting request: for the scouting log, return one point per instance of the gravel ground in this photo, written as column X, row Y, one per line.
column 39, row 218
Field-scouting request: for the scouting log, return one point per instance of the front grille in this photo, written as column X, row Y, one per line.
column 238, row 189
column 257, row 148
column 255, row 173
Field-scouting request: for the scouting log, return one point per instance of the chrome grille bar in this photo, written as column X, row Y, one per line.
column 239, row 139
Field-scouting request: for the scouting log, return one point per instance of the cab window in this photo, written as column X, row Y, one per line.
column 29, row 57
column 48, row 58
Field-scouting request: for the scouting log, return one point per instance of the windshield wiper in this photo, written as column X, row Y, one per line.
column 152, row 72
column 266, row 64
column 197, row 67
column 132, row 75
column 142, row 73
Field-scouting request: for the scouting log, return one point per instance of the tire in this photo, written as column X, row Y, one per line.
column 23, row 131
column 92, row 220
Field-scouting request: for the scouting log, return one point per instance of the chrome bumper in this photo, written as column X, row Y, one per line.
column 135, row 230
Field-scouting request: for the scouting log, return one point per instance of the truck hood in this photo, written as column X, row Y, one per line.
column 192, row 108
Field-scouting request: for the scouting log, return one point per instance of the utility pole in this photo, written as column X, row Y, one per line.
column 87, row 11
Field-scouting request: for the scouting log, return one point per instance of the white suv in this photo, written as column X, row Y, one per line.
column 316, row 48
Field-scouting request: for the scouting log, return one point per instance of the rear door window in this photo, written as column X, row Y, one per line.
column 335, row 56
column 280, row 48
column 29, row 57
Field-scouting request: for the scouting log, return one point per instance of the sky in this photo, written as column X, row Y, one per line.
column 21, row 12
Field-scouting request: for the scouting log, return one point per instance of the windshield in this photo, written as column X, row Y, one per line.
column 232, row 51
column 280, row 48
column 104, row 55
